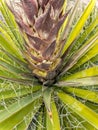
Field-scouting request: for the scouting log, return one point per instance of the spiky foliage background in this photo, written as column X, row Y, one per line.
column 69, row 103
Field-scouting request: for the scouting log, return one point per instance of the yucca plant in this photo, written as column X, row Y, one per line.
column 48, row 65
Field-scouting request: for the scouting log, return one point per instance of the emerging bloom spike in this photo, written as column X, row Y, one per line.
column 40, row 22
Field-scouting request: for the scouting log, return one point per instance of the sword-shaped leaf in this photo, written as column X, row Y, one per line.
column 90, row 72
column 81, row 52
column 79, row 108
column 17, row 111
column 55, row 125
column 11, row 27
column 88, row 56
column 79, row 25
column 89, row 81
column 82, row 93
column 47, row 100
column 17, row 92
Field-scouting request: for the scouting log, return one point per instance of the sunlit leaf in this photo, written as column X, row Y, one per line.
column 80, row 82
column 7, row 94
column 79, row 25
column 47, row 100
column 79, row 108
column 81, row 52
column 17, row 111
column 90, row 72
column 55, row 125
column 82, row 93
